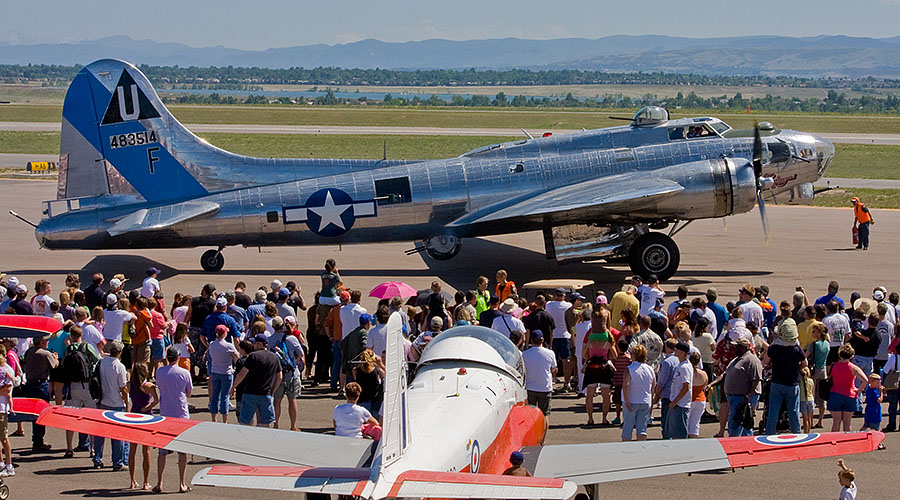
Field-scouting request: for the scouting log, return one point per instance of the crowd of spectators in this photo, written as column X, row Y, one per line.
column 690, row 357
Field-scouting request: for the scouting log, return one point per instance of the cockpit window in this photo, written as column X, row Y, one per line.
column 690, row 132
column 720, row 127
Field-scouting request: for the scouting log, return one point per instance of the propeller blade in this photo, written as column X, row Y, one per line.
column 762, row 214
column 757, row 151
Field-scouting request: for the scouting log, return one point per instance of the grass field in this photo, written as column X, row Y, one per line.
column 873, row 198
column 865, row 161
column 424, row 147
column 532, row 119
column 293, row 146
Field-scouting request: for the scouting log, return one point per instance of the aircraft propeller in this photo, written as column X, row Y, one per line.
column 760, row 180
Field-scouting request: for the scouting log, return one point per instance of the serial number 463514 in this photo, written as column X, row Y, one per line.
column 132, row 139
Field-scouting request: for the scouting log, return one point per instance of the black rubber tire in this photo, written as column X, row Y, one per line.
column 4, row 492
column 654, row 253
column 212, row 261
column 434, row 254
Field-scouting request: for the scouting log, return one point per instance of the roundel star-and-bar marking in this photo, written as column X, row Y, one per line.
column 123, row 417
column 329, row 212
column 785, row 439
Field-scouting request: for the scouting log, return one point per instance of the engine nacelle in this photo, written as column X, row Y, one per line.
column 712, row 188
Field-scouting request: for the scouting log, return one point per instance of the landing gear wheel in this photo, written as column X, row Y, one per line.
column 211, row 261
column 654, row 253
column 443, row 247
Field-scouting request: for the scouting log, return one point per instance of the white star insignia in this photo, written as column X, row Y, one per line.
column 330, row 213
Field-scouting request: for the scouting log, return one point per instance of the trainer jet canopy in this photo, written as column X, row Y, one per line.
column 131, row 176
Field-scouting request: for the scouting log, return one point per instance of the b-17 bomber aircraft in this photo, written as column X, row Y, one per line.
column 448, row 433
column 131, row 176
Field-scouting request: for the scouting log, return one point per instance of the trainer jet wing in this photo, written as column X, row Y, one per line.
column 618, row 194
column 579, row 463
column 252, row 446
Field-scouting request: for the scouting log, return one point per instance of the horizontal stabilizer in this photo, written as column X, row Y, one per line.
column 26, row 409
column 327, row 480
column 603, row 462
column 161, row 217
column 240, row 444
column 608, row 195
column 26, row 327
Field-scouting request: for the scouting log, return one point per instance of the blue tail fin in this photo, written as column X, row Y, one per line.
column 119, row 138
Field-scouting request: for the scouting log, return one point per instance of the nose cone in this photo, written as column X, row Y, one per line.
column 824, row 154
column 40, row 234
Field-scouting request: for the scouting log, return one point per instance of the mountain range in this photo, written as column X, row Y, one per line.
column 820, row 56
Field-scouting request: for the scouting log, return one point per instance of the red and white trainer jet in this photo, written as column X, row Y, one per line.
column 447, row 434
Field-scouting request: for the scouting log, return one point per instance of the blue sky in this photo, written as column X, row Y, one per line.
column 261, row 24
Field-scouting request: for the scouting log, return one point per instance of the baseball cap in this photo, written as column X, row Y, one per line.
column 365, row 319
column 261, row 339
column 260, row 295
column 40, row 336
column 601, row 299
column 681, row 346
column 345, row 295
column 13, row 282
column 290, row 319
column 115, row 283
column 172, row 353
column 537, row 336
column 560, row 291
column 277, row 322
column 221, row 329
column 284, row 292
column 221, row 302
column 111, row 299
column 276, row 284
column 854, row 199
column 878, row 295
column 516, row 458
column 748, row 289
column 576, row 296
column 152, row 270
column 435, row 321
column 21, row 288
column 637, row 277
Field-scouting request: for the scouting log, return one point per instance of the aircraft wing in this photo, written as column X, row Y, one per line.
column 161, row 217
column 409, row 484
column 603, row 462
column 616, row 194
column 240, row 444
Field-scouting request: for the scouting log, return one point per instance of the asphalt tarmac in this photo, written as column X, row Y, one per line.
column 808, row 247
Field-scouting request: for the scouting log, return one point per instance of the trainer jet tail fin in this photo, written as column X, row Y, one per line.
column 396, row 435
column 119, row 138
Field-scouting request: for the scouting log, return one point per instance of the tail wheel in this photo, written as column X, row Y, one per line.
column 212, row 261
column 654, row 253
column 442, row 247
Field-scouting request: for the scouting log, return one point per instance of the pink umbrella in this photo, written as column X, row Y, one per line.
column 392, row 289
